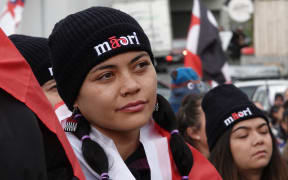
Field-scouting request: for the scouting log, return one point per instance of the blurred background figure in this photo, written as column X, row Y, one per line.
column 191, row 123
column 278, row 99
column 184, row 81
column 282, row 131
column 276, row 115
column 236, row 44
column 284, row 127
column 36, row 52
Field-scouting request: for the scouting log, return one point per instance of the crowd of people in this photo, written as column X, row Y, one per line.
column 98, row 63
column 278, row 115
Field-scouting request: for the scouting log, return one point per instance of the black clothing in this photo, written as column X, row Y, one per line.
column 29, row 151
column 21, row 141
column 138, row 164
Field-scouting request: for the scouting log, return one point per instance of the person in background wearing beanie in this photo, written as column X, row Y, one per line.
column 240, row 140
column 184, row 81
column 33, row 144
column 103, row 66
column 36, row 52
column 191, row 123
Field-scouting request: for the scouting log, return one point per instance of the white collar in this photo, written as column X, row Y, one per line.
column 155, row 146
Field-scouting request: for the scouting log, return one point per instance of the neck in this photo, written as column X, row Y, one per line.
column 251, row 175
column 203, row 149
column 126, row 142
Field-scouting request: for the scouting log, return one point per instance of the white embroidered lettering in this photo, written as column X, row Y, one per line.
column 114, row 43
column 102, row 50
column 51, row 71
column 235, row 116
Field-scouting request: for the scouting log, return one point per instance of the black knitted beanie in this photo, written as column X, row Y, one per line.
column 84, row 39
column 36, row 52
column 224, row 106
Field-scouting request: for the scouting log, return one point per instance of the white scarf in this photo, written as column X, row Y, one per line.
column 156, row 149
column 155, row 146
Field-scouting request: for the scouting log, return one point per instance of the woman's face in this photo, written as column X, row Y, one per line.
column 51, row 92
column 251, row 144
column 120, row 93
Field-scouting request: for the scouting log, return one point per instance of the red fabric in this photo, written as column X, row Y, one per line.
column 202, row 169
column 193, row 61
column 58, row 105
column 194, row 21
column 18, row 80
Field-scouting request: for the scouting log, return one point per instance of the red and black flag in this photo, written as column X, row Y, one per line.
column 204, row 49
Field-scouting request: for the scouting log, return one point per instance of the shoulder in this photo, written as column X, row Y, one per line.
column 202, row 168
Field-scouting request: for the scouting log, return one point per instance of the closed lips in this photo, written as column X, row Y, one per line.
column 130, row 105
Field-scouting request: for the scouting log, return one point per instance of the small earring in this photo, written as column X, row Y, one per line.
column 156, row 108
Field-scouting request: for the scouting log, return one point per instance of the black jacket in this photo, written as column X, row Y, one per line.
column 28, row 149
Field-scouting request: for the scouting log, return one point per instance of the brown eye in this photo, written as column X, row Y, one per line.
column 105, row 76
column 141, row 65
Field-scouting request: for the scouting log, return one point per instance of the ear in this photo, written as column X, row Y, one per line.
column 193, row 133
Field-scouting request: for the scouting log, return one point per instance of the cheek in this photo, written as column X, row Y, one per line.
column 149, row 84
column 94, row 102
column 239, row 152
column 269, row 144
column 53, row 97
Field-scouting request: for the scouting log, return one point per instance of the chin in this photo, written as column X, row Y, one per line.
column 133, row 123
column 261, row 164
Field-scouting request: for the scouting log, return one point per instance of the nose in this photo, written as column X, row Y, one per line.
column 257, row 139
column 129, row 85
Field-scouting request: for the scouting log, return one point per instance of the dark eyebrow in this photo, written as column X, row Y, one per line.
column 247, row 128
column 113, row 66
column 138, row 57
column 241, row 127
column 103, row 67
column 261, row 125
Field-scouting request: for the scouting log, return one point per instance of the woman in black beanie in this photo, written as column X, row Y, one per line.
column 103, row 67
column 240, row 140
column 36, row 52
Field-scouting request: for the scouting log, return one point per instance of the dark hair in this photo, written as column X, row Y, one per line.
column 188, row 115
column 274, row 109
column 279, row 95
column 95, row 156
column 181, row 153
column 221, row 157
column 93, row 153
